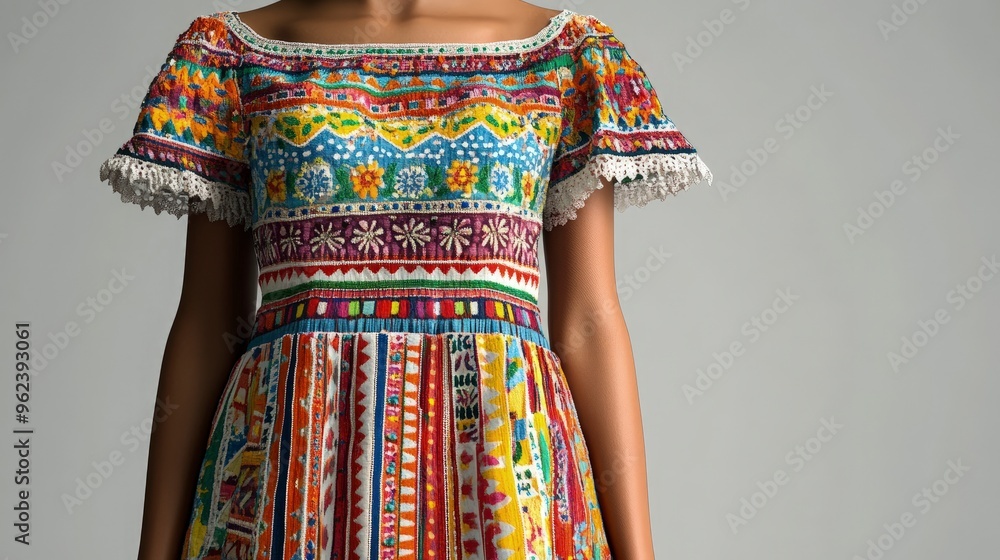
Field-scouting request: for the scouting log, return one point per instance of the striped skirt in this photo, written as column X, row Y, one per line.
column 386, row 445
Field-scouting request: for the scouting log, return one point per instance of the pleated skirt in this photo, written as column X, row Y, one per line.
column 386, row 445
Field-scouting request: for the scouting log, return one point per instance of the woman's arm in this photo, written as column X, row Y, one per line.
column 588, row 332
column 219, row 288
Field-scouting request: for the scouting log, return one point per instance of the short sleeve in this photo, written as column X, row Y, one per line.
column 188, row 150
column 614, row 127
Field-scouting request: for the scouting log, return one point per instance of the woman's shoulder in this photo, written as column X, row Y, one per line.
column 210, row 27
column 206, row 40
column 584, row 27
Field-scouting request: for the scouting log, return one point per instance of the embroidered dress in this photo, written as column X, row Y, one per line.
column 398, row 397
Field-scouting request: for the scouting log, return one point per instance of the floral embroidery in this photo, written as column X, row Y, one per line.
column 411, row 182
column 519, row 240
column 276, row 185
column 527, row 188
column 326, row 239
column 367, row 179
column 367, row 236
column 456, row 235
column 290, row 240
column 502, row 179
column 268, row 245
column 315, row 182
column 462, row 175
column 495, row 233
column 412, row 233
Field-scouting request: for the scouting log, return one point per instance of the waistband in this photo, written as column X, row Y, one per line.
column 414, row 313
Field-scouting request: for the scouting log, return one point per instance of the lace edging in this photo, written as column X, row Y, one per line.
column 167, row 189
column 662, row 175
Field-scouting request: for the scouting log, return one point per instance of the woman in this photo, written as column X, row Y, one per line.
column 384, row 171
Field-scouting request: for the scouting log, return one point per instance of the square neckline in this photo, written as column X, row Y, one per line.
column 251, row 38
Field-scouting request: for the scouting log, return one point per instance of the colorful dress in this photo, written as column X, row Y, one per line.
column 398, row 397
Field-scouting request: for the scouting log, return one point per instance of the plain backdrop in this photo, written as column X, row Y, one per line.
column 853, row 211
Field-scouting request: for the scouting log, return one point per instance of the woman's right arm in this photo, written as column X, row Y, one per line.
column 219, row 293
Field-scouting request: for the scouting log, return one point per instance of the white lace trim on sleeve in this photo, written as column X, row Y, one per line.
column 176, row 191
column 662, row 175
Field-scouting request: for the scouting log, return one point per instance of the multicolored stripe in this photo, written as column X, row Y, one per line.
column 396, row 445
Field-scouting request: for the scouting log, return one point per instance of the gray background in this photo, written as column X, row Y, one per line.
column 826, row 356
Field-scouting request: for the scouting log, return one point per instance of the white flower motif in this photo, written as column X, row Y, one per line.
column 269, row 246
column 410, row 181
column 502, row 180
column 456, row 235
column 519, row 240
column 412, row 233
column 495, row 233
column 367, row 236
column 325, row 238
column 290, row 239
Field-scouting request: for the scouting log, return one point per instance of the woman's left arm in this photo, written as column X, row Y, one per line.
column 587, row 331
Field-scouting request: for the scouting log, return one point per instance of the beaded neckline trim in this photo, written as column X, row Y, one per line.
column 512, row 46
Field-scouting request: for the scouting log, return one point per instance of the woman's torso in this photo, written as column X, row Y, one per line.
column 400, row 187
